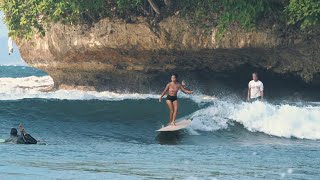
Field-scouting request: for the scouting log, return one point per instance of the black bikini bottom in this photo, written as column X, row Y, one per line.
column 172, row 98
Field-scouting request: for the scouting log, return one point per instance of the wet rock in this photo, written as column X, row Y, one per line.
column 115, row 55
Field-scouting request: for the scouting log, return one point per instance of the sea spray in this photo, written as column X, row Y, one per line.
column 279, row 120
column 282, row 120
column 32, row 87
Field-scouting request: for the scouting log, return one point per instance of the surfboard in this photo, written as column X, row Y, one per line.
column 179, row 125
column 2, row 140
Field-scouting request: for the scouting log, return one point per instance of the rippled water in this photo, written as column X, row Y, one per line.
column 106, row 135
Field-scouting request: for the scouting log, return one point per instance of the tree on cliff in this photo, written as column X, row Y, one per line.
column 24, row 18
column 305, row 13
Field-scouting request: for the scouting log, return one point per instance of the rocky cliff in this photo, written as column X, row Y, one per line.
column 115, row 55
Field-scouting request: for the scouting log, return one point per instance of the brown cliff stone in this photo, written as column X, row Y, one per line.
column 116, row 55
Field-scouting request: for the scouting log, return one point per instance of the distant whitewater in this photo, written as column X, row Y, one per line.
column 281, row 120
column 110, row 135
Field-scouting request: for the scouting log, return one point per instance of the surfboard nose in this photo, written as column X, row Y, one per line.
column 179, row 125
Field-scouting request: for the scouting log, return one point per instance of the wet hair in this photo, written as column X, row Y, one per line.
column 255, row 73
column 175, row 75
column 14, row 132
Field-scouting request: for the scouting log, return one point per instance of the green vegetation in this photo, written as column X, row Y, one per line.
column 306, row 13
column 226, row 14
column 24, row 18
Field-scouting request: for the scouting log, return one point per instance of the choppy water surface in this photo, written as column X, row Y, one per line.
column 91, row 135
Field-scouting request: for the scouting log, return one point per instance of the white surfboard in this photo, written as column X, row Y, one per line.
column 179, row 125
column 2, row 140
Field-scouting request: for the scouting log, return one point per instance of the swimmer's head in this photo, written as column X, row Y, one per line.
column 14, row 132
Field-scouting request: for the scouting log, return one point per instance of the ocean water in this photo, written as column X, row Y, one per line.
column 108, row 135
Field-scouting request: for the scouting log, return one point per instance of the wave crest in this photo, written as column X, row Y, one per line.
column 277, row 120
column 285, row 120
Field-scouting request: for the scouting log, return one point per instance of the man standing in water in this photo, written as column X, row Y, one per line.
column 24, row 138
column 255, row 89
column 171, row 90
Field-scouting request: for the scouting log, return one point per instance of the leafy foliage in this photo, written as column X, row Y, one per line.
column 225, row 14
column 305, row 13
column 242, row 12
column 24, row 18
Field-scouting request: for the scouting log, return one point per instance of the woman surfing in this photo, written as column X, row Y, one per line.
column 172, row 89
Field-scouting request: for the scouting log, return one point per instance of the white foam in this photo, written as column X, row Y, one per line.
column 211, row 118
column 278, row 120
column 198, row 97
column 31, row 87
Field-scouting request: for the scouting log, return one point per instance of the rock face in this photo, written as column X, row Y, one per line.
column 115, row 55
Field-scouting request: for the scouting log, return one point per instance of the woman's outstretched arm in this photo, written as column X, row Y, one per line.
column 164, row 92
column 185, row 91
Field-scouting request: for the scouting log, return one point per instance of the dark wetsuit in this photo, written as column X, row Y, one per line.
column 15, row 140
column 21, row 139
column 171, row 98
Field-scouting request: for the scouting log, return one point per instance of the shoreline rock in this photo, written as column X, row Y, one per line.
column 114, row 55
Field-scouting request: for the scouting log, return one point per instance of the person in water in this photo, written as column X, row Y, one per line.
column 172, row 89
column 24, row 138
column 255, row 88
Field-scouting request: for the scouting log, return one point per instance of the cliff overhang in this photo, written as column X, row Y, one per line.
column 115, row 55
